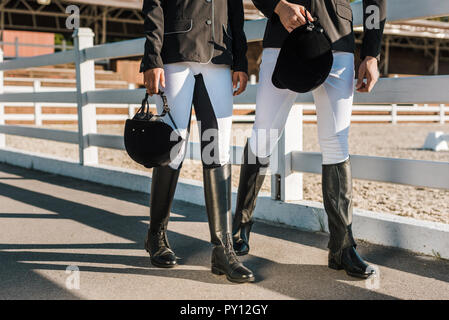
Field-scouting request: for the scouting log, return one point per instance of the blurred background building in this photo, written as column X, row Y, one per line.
column 33, row 27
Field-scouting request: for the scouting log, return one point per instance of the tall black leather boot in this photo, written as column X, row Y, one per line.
column 163, row 187
column 337, row 198
column 217, row 192
column 251, row 180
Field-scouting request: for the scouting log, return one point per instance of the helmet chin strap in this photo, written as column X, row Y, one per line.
column 310, row 25
column 144, row 111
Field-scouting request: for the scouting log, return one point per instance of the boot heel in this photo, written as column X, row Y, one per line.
column 216, row 271
column 334, row 265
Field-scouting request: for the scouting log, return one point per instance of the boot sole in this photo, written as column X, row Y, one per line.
column 218, row 272
column 360, row 276
column 333, row 265
column 241, row 253
column 160, row 265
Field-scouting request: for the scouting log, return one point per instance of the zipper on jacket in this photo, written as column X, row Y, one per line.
column 212, row 41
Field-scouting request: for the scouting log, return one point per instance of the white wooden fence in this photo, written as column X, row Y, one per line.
column 375, row 113
column 292, row 161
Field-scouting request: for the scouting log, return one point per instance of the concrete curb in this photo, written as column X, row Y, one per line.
column 415, row 235
column 431, row 238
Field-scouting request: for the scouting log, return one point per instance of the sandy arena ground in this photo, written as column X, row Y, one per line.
column 398, row 141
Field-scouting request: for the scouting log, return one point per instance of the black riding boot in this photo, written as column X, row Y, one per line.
column 163, row 187
column 251, row 180
column 337, row 198
column 217, row 192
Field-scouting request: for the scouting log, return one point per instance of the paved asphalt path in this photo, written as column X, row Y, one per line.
column 49, row 223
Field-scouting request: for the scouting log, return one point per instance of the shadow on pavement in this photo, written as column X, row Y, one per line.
column 300, row 281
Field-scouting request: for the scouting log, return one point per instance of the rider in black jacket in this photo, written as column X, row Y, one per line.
column 191, row 50
column 333, row 104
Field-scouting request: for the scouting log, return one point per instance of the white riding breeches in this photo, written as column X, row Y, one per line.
column 209, row 88
column 333, row 100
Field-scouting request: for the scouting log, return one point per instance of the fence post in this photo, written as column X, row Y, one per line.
column 131, row 86
column 37, row 106
column 85, row 81
column 394, row 113
column 2, row 106
column 16, row 46
column 442, row 113
column 287, row 185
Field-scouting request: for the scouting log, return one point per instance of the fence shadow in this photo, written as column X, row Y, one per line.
column 301, row 281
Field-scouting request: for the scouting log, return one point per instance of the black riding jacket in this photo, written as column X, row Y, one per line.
column 194, row 30
column 335, row 16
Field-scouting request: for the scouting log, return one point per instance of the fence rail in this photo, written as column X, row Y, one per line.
column 291, row 160
column 432, row 174
column 420, row 114
column 17, row 45
column 395, row 113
